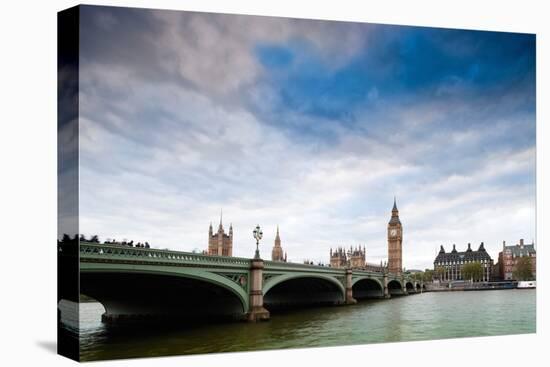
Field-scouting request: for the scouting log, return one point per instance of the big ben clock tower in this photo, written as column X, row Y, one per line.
column 395, row 241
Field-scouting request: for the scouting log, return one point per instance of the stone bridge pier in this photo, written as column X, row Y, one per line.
column 349, row 288
column 257, row 312
column 386, row 289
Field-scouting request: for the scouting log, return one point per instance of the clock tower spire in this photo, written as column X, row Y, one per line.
column 395, row 241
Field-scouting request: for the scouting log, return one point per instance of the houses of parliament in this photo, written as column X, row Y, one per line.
column 221, row 244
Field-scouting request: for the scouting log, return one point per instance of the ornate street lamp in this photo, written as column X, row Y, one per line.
column 257, row 236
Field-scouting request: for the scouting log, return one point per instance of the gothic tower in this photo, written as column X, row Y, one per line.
column 357, row 257
column 395, row 242
column 277, row 252
column 219, row 243
column 338, row 258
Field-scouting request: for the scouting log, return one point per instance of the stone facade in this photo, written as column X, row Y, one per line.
column 219, row 243
column 354, row 257
column 277, row 252
column 357, row 257
column 508, row 257
column 338, row 258
column 395, row 242
column 451, row 263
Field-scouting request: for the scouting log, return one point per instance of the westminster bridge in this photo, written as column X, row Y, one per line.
column 136, row 283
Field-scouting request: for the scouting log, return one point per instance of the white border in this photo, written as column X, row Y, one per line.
column 28, row 180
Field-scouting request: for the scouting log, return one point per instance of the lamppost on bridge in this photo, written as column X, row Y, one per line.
column 257, row 236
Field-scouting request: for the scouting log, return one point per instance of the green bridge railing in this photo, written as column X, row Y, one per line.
column 97, row 251
column 92, row 251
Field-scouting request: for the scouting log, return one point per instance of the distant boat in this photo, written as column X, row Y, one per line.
column 527, row 284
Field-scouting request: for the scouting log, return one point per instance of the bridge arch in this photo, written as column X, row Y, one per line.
column 410, row 287
column 163, row 291
column 366, row 287
column 418, row 287
column 395, row 288
column 302, row 289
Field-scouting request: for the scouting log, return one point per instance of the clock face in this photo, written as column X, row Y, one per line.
column 393, row 232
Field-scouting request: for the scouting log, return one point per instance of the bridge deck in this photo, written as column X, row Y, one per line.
column 91, row 251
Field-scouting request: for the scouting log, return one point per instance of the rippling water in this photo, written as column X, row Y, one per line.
column 416, row 317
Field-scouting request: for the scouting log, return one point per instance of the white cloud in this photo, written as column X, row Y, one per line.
column 216, row 52
column 213, row 157
column 161, row 157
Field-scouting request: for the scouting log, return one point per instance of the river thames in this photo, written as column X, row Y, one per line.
column 416, row 317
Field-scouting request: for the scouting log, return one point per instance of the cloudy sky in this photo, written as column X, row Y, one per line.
column 310, row 125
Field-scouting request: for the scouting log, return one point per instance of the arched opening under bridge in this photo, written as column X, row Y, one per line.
column 128, row 296
column 302, row 291
column 367, row 288
column 395, row 288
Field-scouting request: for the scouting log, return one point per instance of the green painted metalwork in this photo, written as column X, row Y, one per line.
column 282, row 266
column 193, row 273
column 232, row 273
column 100, row 252
column 226, row 272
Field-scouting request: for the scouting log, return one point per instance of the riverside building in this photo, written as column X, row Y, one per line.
column 451, row 263
column 509, row 256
